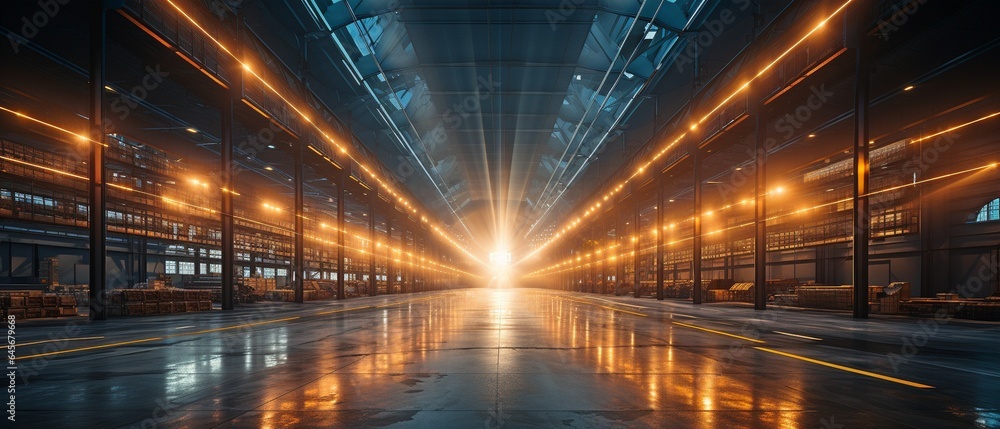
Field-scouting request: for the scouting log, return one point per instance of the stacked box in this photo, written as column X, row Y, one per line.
column 32, row 312
column 204, row 305
column 18, row 302
column 18, row 313
column 68, row 311
column 165, row 307
column 134, row 309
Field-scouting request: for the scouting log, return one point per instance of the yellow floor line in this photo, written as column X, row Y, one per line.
column 719, row 332
column 58, row 340
column 848, row 369
column 102, row 346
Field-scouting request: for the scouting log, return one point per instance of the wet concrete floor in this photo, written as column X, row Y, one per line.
column 512, row 358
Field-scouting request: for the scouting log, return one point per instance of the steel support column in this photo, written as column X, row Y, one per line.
column 696, row 238
column 298, row 278
column 402, row 254
column 862, row 223
column 636, row 232
column 659, row 234
column 372, row 272
column 389, row 275
column 620, row 261
column 341, row 224
column 97, row 211
column 760, row 208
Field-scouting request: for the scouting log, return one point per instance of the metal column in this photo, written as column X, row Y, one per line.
column 402, row 255
column 390, row 276
column 97, row 210
column 341, row 183
column 620, row 260
column 696, row 238
column 299, row 252
column 226, row 212
column 660, row 209
column 861, row 167
column 372, row 273
column 760, row 209
column 637, row 233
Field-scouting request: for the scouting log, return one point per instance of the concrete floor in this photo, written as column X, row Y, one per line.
column 490, row 358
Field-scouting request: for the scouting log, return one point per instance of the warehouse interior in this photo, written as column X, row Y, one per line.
column 378, row 195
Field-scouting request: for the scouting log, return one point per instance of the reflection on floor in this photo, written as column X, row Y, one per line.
column 509, row 358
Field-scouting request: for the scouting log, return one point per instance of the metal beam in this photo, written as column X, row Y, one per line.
column 862, row 223
column 372, row 273
column 341, row 183
column 635, row 245
column 696, row 239
column 659, row 235
column 760, row 208
column 97, row 211
column 226, row 212
column 298, row 278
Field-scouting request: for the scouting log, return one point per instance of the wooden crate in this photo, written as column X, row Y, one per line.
column 18, row 313
column 50, row 301
column 177, row 295
column 204, row 305
column 165, row 307
column 34, row 302
column 150, row 308
column 67, row 301
column 18, row 302
column 150, row 296
column 133, row 295
column 50, row 311
column 33, row 313
column 134, row 309
column 68, row 311
column 177, row 307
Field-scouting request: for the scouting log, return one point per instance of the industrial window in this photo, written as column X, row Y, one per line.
column 171, row 267
column 215, row 268
column 281, row 272
column 989, row 212
column 185, row 268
